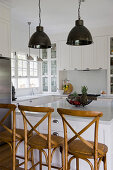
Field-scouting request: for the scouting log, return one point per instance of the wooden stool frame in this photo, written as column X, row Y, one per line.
column 48, row 112
column 11, row 110
column 78, row 113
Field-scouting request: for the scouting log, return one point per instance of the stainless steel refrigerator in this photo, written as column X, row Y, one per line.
column 5, row 86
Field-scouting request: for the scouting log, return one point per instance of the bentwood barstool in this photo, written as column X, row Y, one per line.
column 7, row 137
column 81, row 148
column 38, row 140
column 11, row 136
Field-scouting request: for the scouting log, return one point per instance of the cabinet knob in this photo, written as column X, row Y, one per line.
column 55, row 133
column 55, row 121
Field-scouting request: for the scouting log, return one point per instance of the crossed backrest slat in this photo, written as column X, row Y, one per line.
column 79, row 113
column 11, row 108
column 47, row 110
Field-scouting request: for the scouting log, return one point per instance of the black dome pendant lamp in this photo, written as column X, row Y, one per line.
column 79, row 35
column 39, row 40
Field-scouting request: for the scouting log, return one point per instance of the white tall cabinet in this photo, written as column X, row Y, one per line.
column 63, row 56
column 101, row 52
column 75, row 58
column 5, row 43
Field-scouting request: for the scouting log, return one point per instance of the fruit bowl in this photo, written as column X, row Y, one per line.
column 78, row 103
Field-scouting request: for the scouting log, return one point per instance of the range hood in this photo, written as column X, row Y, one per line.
column 88, row 69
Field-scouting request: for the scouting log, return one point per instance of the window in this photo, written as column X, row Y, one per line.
column 25, row 73
column 49, row 69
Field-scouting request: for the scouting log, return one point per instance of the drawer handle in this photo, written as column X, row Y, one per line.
column 55, row 121
column 30, row 101
column 55, row 133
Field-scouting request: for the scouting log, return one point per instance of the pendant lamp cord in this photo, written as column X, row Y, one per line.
column 39, row 14
column 79, row 10
column 29, row 23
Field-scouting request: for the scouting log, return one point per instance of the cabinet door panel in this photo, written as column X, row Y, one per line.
column 87, row 57
column 100, row 52
column 64, row 56
column 75, row 58
column 4, row 38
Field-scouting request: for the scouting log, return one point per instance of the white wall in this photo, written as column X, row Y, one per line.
column 96, row 81
column 20, row 37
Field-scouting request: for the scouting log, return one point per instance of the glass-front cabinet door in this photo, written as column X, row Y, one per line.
column 49, row 69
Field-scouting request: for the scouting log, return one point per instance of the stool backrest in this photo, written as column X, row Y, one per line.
column 28, row 109
column 10, row 109
column 79, row 113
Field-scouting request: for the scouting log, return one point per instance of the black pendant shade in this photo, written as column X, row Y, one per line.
column 79, row 35
column 39, row 39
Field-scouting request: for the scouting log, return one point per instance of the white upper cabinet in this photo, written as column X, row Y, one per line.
column 5, row 42
column 75, row 58
column 63, row 55
column 100, row 52
column 92, row 56
column 87, row 57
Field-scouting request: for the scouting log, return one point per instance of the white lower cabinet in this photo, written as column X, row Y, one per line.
column 105, row 137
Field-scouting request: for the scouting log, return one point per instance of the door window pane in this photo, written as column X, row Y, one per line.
column 44, row 68
column 20, row 63
column 24, row 64
column 53, row 51
column 53, row 67
column 12, row 63
column 45, row 84
column 53, row 84
column 31, row 64
column 31, row 72
column 20, row 72
column 44, row 54
column 24, row 72
column 13, row 72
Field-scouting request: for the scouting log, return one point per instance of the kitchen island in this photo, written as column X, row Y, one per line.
column 105, row 126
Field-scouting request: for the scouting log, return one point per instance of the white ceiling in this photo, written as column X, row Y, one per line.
column 60, row 15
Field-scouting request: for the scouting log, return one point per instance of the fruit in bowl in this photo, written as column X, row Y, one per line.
column 79, row 100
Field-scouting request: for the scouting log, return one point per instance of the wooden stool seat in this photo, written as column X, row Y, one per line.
column 7, row 137
column 79, row 149
column 37, row 142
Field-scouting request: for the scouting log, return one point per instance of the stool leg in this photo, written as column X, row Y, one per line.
column 77, row 163
column 32, row 159
column 63, row 158
column 105, row 163
column 40, row 155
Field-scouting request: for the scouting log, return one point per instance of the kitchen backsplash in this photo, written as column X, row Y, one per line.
column 96, row 80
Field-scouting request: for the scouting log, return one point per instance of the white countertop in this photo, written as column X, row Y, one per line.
column 28, row 97
column 97, row 105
